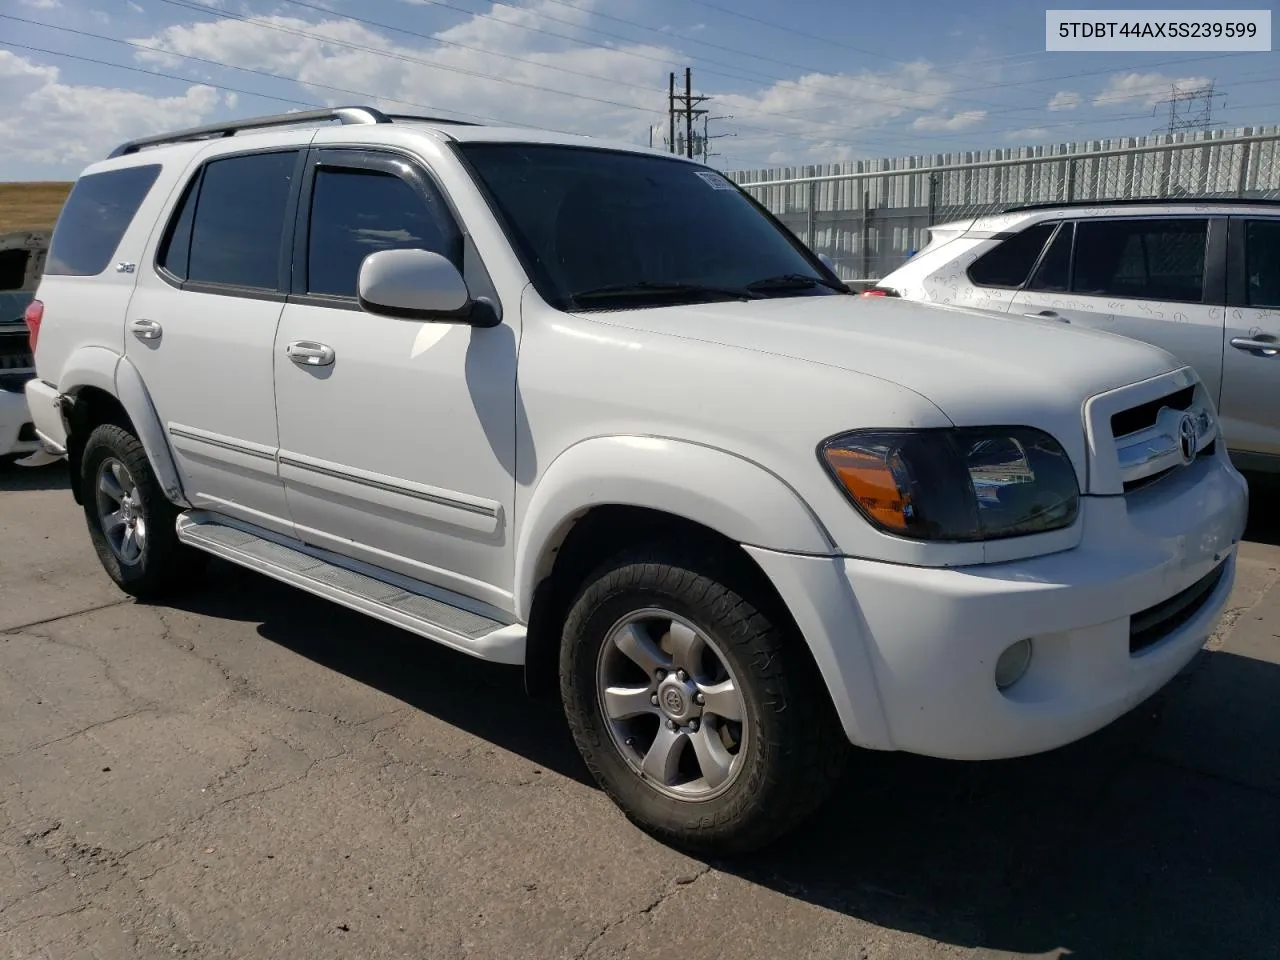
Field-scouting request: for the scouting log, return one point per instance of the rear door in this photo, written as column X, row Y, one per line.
column 201, row 326
column 1158, row 279
column 1250, row 405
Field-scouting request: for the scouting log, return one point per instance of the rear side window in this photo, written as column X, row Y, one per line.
column 1141, row 259
column 1054, row 273
column 1010, row 262
column 1262, row 263
column 356, row 212
column 93, row 221
column 229, row 225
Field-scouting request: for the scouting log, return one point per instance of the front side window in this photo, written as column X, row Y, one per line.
column 93, row 221
column 238, row 222
column 1143, row 259
column 1008, row 264
column 602, row 229
column 356, row 212
column 1262, row 263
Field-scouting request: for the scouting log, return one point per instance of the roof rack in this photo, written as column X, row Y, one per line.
column 211, row 131
column 419, row 118
column 1144, row 201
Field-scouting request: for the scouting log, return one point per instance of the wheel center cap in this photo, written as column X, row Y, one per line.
column 675, row 700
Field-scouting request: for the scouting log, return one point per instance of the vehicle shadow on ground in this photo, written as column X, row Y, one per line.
column 1153, row 838
column 1264, row 508
column 51, row 477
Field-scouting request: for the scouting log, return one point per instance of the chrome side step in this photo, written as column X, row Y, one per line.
column 412, row 609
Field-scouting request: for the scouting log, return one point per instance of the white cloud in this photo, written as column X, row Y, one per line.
column 1147, row 89
column 956, row 121
column 1026, row 133
column 42, row 4
column 66, row 125
column 1063, row 100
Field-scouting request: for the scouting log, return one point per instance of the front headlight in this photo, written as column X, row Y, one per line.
column 958, row 484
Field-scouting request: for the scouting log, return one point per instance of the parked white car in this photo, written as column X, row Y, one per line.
column 586, row 407
column 1200, row 278
column 22, row 256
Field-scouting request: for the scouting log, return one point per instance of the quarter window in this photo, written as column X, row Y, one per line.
column 93, row 221
column 1141, row 259
column 238, row 221
column 356, row 212
column 1262, row 263
column 1053, row 274
column 1009, row 263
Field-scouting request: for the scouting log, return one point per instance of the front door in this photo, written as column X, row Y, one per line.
column 1250, row 406
column 201, row 327
column 397, row 437
column 1156, row 279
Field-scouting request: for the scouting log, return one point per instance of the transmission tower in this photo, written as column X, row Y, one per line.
column 1190, row 108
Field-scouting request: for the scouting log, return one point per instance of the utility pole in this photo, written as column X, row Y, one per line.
column 671, row 112
column 687, row 109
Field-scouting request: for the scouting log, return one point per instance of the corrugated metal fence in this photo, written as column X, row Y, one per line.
column 868, row 215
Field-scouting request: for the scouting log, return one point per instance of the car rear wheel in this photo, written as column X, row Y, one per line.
column 702, row 717
column 131, row 522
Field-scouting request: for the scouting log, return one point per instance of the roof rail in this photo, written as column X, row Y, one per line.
column 418, row 118
column 1144, row 201
column 211, row 131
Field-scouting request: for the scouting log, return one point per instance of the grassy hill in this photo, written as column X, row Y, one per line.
column 26, row 205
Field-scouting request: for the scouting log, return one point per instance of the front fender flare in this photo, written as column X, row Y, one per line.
column 734, row 496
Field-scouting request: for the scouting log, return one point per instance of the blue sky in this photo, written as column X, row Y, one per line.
column 806, row 81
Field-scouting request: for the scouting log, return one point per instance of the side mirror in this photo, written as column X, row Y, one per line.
column 419, row 285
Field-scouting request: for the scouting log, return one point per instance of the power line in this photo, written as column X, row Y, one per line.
column 406, row 58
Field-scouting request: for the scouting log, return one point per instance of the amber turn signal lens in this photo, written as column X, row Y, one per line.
column 872, row 485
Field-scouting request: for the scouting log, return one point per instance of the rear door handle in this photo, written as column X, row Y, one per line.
column 1257, row 346
column 146, row 329
column 308, row 353
column 1046, row 315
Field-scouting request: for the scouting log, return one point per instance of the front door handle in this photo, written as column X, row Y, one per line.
column 1257, row 346
column 308, row 353
column 1046, row 315
column 146, row 329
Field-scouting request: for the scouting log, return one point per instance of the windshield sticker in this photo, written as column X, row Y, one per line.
column 715, row 181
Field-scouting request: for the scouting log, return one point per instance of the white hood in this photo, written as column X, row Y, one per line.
column 979, row 369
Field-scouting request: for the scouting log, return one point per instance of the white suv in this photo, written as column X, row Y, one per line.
column 1200, row 278
column 588, row 408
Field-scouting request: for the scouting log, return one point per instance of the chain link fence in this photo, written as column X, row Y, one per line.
column 868, row 216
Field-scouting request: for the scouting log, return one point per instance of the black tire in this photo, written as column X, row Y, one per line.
column 797, row 750
column 164, row 564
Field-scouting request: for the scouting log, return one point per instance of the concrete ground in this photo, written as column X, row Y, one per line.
column 251, row 772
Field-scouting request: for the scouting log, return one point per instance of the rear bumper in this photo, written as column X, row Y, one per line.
column 909, row 653
column 45, row 410
column 15, row 424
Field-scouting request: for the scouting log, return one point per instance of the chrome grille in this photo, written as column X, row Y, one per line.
column 1163, row 435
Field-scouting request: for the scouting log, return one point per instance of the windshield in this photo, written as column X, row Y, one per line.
column 600, row 229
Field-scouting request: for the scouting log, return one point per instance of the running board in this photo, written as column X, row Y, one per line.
column 295, row 564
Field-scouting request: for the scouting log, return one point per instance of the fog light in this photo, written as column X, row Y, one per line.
column 1013, row 664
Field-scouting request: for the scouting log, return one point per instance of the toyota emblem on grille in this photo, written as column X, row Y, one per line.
column 1188, row 438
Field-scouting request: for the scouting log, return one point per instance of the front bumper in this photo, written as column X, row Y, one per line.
column 909, row 653
column 16, row 430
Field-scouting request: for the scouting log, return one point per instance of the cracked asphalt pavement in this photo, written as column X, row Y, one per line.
column 252, row 772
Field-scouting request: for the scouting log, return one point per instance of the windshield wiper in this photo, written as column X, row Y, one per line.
column 661, row 289
column 794, row 281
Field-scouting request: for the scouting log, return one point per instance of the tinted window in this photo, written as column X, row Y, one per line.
column 1141, row 259
column 1010, row 262
column 1262, row 263
column 358, row 212
column 175, row 252
column 13, row 269
column 239, row 220
column 1053, row 273
column 93, row 220
column 599, row 229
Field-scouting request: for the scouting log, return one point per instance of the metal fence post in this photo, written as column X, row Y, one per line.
column 1242, row 181
column 865, row 225
column 933, row 199
column 810, row 210
column 1071, row 180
